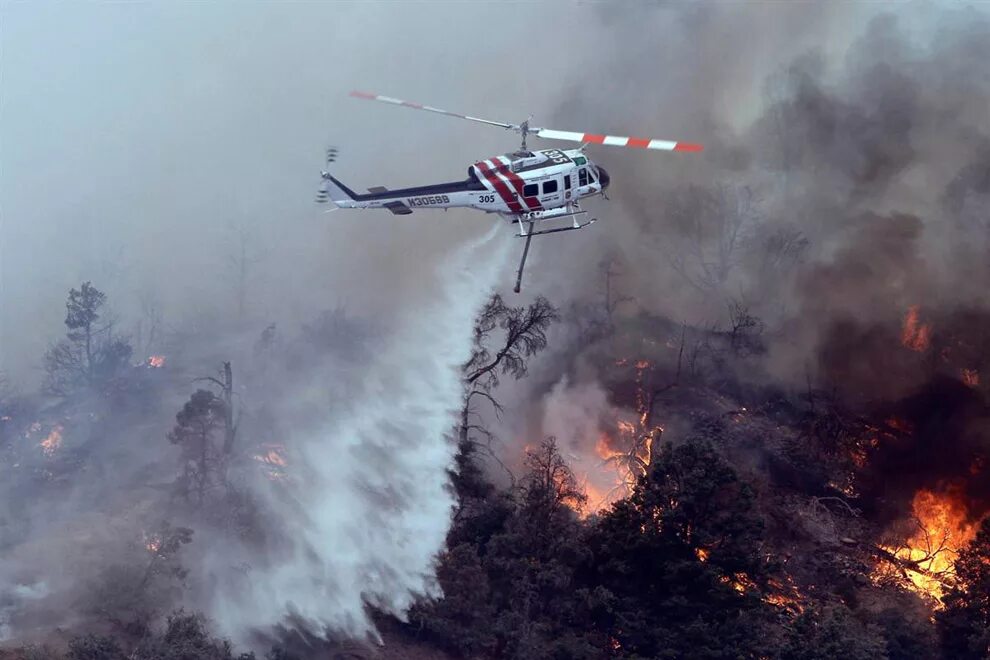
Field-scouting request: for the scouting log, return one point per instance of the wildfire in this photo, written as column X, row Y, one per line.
column 970, row 377
column 943, row 529
column 915, row 335
column 156, row 361
column 272, row 461
column 702, row 554
column 152, row 543
column 51, row 443
column 785, row 595
column 738, row 581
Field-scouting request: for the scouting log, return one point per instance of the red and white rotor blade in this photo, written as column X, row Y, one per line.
column 617, row 141
column 418, row 106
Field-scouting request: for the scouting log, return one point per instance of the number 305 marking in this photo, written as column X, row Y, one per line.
column 486, row 199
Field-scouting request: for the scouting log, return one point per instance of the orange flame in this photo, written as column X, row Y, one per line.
column 51, row 443
column 943, row 529
column 272, row 461
column 915, row 335
column 970, row 377
column 156, row 361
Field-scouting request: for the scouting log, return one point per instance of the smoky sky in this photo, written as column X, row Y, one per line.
column 142, row 142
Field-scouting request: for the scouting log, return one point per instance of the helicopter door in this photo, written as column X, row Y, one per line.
column 551, row 192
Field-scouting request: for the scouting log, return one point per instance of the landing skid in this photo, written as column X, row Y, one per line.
column 528, row 234
column 576, row 225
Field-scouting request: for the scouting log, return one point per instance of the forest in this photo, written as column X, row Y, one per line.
column 766, row 529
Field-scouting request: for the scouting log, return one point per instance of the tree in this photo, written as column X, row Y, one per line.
column 91, row 354
column 548, row 487
column 95, row 647
column 525, row 334
column 195, row 432
column 714, row 224
column 964, row 624
column 142, row 586
column 531, row 566
column 831, row 631
column 679, row 561
column 186, row 637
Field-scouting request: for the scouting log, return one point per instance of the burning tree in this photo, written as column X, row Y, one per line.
column 682, row 554
column 91, row 354
column 550, row 484
column 525, row 334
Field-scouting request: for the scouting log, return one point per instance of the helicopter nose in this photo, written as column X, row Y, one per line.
column 603, row 177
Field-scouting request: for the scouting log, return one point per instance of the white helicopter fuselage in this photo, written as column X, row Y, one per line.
column 525, row 185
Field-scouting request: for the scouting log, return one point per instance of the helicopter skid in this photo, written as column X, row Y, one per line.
column 528, row 234
column 523, row 233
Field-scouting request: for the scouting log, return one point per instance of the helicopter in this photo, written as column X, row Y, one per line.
column 524, row 187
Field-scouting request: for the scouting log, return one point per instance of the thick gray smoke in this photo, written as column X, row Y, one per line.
column 843, row 184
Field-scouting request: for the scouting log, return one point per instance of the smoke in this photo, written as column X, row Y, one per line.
column 372, row 505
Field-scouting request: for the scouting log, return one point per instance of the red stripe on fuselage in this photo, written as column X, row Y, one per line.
column 500, row 187
column 532, row 203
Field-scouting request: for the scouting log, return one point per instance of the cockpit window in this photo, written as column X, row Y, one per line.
column 580, row 160
column 582, row 177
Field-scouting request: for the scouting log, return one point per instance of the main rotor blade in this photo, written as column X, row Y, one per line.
column 617, row 141
column 419, row 106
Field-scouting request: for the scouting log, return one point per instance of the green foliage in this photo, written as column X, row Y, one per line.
column 460, row 621
column 196, row 432
column 186, row 638
column 91, row 355
column 82, row 310
column 36, row 652
column 95, row 647
column 832, row 632
column 665, row 601
column 964, row 624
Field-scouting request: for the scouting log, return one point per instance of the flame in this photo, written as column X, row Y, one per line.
column 702, row 554
column 784, row 595
column 738, row 581
column 152, row 543
column 156, row 361
column 626, row 428
column 272, row 461
column 970, row 377
column 50, row 444
column 943, row 529
column 915, row 335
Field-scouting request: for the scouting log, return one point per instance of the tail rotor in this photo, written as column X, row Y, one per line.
column 322, row 194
